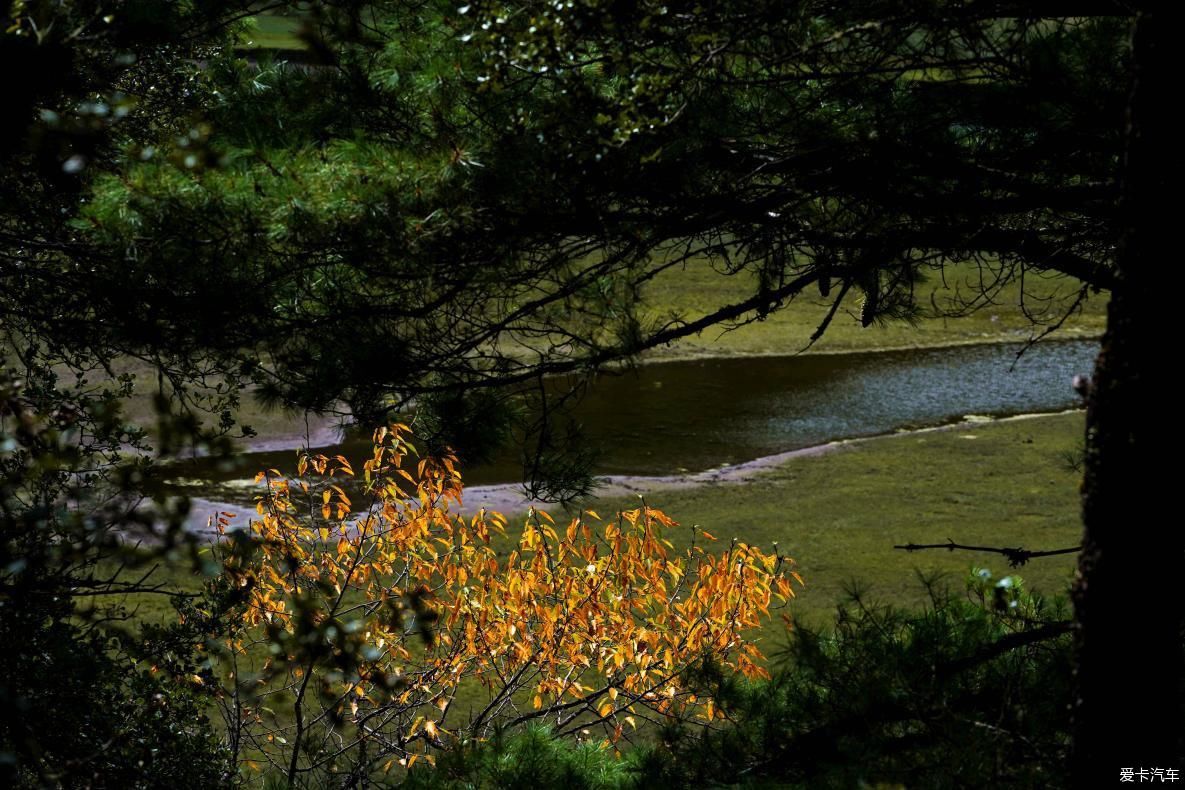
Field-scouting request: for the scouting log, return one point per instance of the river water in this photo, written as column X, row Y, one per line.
column 687, row 416
column 694, row 415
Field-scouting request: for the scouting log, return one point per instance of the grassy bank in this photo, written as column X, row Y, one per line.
column 273, row 31
column 698, row 290
column 840, row 513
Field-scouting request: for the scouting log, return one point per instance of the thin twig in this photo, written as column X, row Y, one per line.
column 1016, row 556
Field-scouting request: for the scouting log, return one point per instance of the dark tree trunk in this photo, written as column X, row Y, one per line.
column 1129, row 595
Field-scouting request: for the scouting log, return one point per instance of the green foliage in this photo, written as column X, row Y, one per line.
column 531, row 758
column 510, row 178
column 84, row 703
column 81, row 711
column 969, row 691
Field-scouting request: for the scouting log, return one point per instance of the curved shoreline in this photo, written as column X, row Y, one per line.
column 508, row 498
column 325, row 431
column 1064, row 336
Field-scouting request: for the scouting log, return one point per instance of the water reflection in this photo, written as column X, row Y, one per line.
column 692, row 415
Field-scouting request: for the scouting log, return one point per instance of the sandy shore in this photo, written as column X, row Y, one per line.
column 323, row 431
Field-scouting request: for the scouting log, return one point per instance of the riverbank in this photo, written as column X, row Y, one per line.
column 839, row 509
column 697, row 290
column 1009, row 314
column 321, row 431
column 693, row 352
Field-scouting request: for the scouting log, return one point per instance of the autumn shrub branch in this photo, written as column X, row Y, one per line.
column 377, row 621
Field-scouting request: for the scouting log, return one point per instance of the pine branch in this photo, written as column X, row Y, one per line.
column 1016, row 556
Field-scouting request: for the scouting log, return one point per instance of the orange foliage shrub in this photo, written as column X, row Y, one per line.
column 395, row 608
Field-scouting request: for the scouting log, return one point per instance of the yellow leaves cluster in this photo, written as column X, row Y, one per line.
column 594, row 620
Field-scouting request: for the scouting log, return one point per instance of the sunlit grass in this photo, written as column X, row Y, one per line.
column 840, row 514
column 698, row 290
column 269, row 31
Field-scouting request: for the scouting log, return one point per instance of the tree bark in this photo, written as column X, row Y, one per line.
column 1129, row 705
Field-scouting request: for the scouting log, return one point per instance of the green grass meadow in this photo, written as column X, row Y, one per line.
column 839, row 514
column 272, row 31
column 1010, row 315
